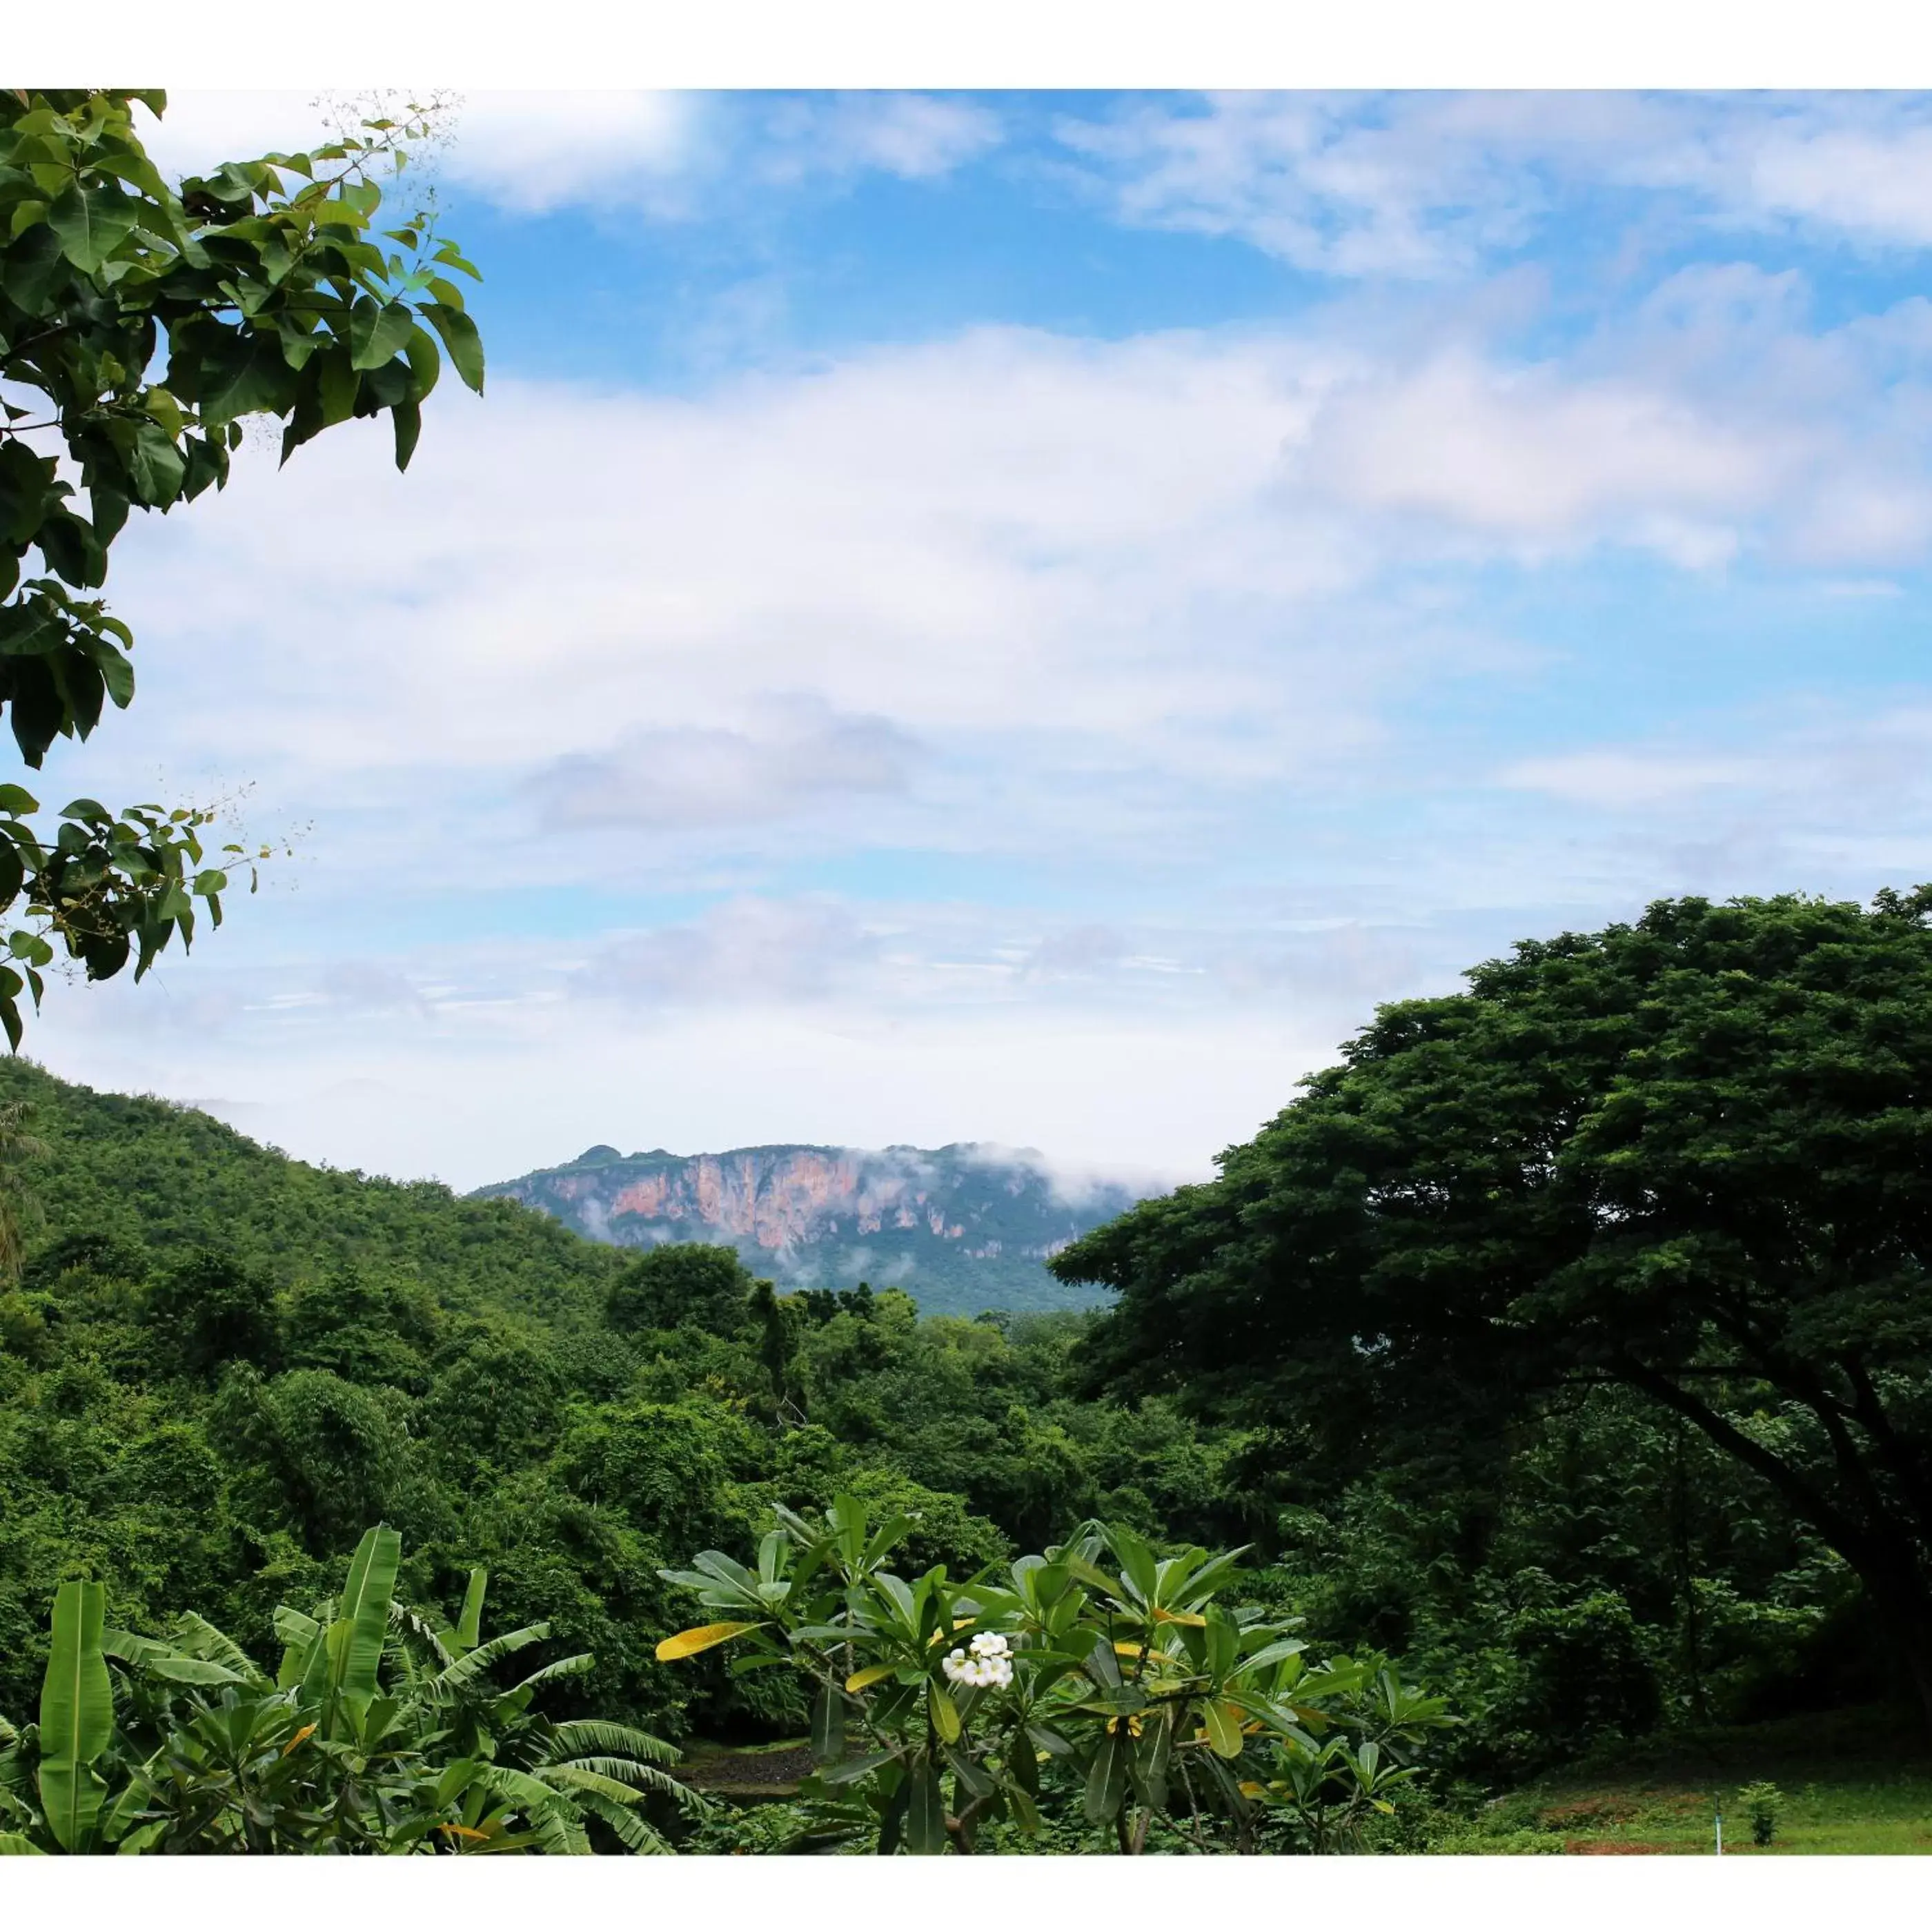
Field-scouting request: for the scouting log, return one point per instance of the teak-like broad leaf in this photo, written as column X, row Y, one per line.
column 141, row 323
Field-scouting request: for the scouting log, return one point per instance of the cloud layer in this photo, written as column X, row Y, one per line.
column 1425, row 185
column 1056, row 737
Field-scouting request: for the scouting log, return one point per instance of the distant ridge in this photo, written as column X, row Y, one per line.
column 963, row 1229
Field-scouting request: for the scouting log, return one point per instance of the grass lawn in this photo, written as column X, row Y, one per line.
column 1852, row 1781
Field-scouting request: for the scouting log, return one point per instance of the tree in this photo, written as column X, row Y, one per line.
column 1692, row 1155
column 269, row 292
column 17, row 1205
column 213, row 1309
column 693, row 1282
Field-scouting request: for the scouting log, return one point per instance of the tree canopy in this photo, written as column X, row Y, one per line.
column 142, row 324
column 1691, row 1155
column 684, row 1281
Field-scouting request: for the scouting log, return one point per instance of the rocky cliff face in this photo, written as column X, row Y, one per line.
column 962, row 1228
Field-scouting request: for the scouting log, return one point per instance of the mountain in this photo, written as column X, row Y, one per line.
column 962, row 1228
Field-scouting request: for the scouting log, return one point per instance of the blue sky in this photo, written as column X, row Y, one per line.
column 1021, row 617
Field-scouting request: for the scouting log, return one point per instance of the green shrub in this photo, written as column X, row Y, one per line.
column 1761, row 1802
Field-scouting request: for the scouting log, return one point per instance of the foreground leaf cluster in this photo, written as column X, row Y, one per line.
column 381, row 1732
column 1137, row 1685
column 141, row 323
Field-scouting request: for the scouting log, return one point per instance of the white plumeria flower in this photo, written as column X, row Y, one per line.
column 989, row 1667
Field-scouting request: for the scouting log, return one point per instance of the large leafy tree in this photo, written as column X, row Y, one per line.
column 142, row 324
column 1691, row 1155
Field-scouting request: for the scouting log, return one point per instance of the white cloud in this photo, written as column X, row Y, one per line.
column 1426, row 184
column 670, row 155
column 482, row 1095
column 1149, row 620
column 1008, row 533
column 534, row 152
column 1625, row 780
column 917, row 137
column 1308, row 178
column 796, row 755
column 744, row 951
column 1536, row 455
column 1855, row 166
column 1131, row 592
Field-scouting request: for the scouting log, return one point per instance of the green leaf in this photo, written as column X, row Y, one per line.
column 926, row 1813
column 248, row 375
column 28, row 488
column 1026, row 1814
column 377, row 332
column 35, row 267
column 365, row 1609
column 944, row 1713
column 92, row 223
column 17, row 802
column 1107, row 1776
column 1276, row 1652
column 849, row 1771
column 460, row 338
column 470, row 1623
column 156, row 468
column 76, row 1715
column 1224, row 1727
column 450, row 257
column 425, row 365
column 200, row 1670
column 407, row 418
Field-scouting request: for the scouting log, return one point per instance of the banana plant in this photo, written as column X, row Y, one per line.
column 562, row 1774
column 356, row 1744
column 936, row 1704
column 77, row 1718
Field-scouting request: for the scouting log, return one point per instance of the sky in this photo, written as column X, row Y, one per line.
column 1022, row 617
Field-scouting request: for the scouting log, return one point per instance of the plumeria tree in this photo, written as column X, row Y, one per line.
column 1103, row 1669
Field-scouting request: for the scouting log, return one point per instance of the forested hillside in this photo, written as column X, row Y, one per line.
column 220, row 1366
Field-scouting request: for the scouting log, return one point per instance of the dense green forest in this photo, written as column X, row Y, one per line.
column 219, row 1366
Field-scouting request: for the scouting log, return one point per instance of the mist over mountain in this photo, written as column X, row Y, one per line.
column 963, row 1229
